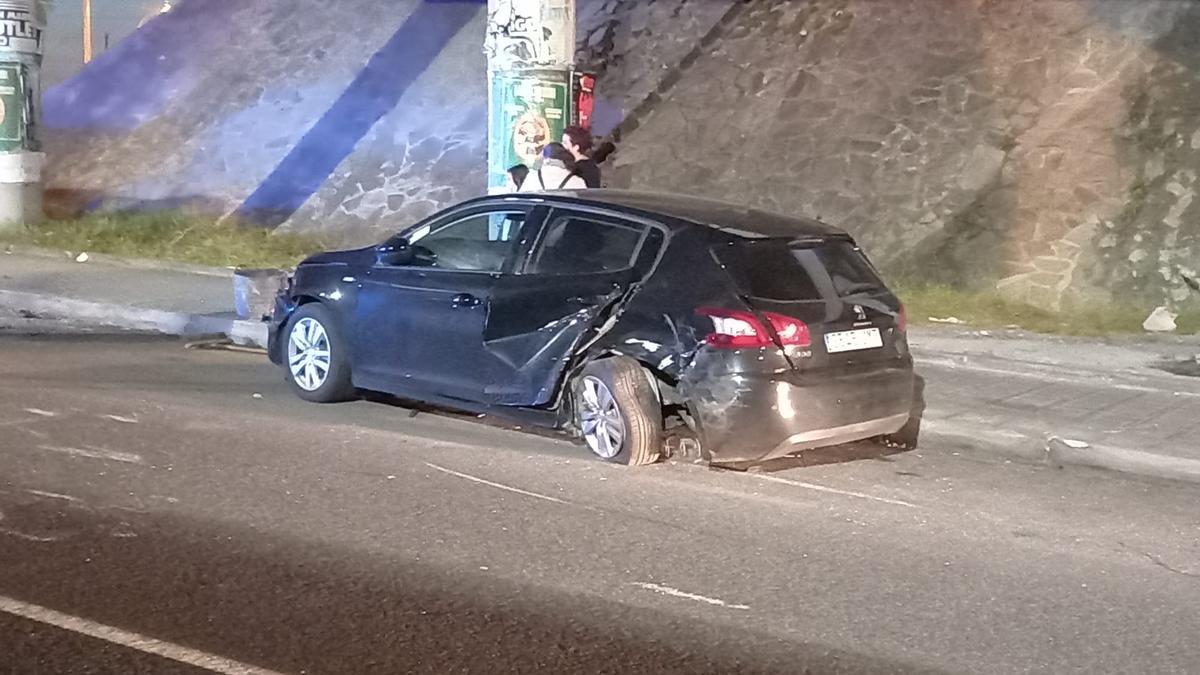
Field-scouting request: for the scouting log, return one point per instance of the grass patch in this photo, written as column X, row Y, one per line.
column 170, row 236
column 990, row 310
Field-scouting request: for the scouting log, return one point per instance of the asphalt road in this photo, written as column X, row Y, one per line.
column 170, row 510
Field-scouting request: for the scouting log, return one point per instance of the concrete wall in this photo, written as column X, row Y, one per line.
column 1049, row 147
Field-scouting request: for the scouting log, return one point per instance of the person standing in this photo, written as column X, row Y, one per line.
column 578, row 141
column 557, row 172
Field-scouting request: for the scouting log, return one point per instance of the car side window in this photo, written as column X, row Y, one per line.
column 481, row 242
column 577, row 244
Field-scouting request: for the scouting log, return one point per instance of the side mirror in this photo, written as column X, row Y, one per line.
column 394, row 251
column 398, row 252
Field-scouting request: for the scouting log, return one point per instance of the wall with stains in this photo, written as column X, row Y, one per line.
column 1047, row 148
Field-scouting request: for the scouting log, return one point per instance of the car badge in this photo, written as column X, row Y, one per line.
column 862, row 314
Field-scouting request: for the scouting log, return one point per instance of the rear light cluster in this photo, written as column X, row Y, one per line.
column 902, row 320
column 733, row 329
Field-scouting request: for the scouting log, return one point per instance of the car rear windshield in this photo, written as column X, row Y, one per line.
column 778, row 269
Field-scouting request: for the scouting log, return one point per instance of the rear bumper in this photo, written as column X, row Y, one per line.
column 754, row 418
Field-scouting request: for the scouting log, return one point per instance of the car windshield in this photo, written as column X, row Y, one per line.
column 777, row 269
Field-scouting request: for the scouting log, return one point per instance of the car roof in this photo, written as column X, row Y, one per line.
column 730, row 218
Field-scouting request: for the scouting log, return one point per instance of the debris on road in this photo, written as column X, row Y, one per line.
column 949, row 319
column 82, row 258
column 224, row 344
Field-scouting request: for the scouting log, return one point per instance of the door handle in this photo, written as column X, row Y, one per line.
column 464, row 300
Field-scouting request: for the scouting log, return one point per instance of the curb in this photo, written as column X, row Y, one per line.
column 246, row 333
column 1059, row 452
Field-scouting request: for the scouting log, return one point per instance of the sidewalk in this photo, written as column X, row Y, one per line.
column 1105, row 403
column 137, row 295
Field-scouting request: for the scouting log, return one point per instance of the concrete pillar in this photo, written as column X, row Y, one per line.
column 22, row 23
column 530, row 45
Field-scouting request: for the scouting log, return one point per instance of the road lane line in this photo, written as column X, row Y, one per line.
column 41, row 413
column 53, row 495
column 27, row 537
column 676, row 593
column 96, row 453
column 500, row 486
column 124, row 638
column 822, row 488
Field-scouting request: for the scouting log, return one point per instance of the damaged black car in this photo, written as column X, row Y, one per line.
column 605, row 313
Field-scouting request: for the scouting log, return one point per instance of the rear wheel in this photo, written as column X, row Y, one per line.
column 315, row 356
column 617, row 412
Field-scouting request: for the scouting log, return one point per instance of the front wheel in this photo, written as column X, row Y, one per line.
column 316, row 361
column 617, row 412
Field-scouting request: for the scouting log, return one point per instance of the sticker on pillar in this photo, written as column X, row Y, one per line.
column 529, row 110
column 530, row 135
column 12, row 119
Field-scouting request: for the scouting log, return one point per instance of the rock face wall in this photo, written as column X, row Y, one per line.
column 1043, row 146
column 1047, row 147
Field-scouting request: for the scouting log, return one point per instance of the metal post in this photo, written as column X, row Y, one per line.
column 22, row 23
column 530, row 45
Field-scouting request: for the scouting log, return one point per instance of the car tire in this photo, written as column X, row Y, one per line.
column 314, row 322
column 617, row 412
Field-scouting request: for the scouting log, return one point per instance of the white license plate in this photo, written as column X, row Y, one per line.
column 853, row 340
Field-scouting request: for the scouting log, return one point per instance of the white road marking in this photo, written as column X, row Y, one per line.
column 118, row 418
column 53, row 495
column 41, row 413
column 676, row 593
column 500, row 486
column 822, row 488
column 124, row 638
column 96, row 453
column 27, row 537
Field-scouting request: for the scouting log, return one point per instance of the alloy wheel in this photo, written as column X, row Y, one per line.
column 600, row 418
column 308, row 354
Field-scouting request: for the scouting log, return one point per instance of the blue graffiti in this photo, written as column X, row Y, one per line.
column 372, row 95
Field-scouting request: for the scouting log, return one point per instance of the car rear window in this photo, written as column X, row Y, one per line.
column 777, row 269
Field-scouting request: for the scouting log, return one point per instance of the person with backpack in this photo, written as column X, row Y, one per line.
column 579, row 142
column 556, row 173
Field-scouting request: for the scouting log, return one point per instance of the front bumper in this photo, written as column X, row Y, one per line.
column 284, row 306
column 757, row 417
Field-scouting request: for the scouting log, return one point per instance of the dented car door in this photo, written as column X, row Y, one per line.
column 576, row 275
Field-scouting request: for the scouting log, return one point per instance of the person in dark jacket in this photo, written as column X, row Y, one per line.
column 579, row 142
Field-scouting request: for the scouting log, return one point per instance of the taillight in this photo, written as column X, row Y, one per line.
column 902, row 319
column 734, row 329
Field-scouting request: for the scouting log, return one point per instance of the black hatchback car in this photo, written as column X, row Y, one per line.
column 602, row 311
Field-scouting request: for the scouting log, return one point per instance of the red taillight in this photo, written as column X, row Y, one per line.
column 902, row 320
column 734, row 329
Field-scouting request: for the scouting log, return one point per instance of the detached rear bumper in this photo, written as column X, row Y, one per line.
column 754, row 418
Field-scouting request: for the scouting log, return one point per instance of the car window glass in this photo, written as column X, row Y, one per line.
column 580, row 245
column 478, row 243
column 776, row 270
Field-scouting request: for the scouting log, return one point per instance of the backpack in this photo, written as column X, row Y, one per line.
column 560, row 185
